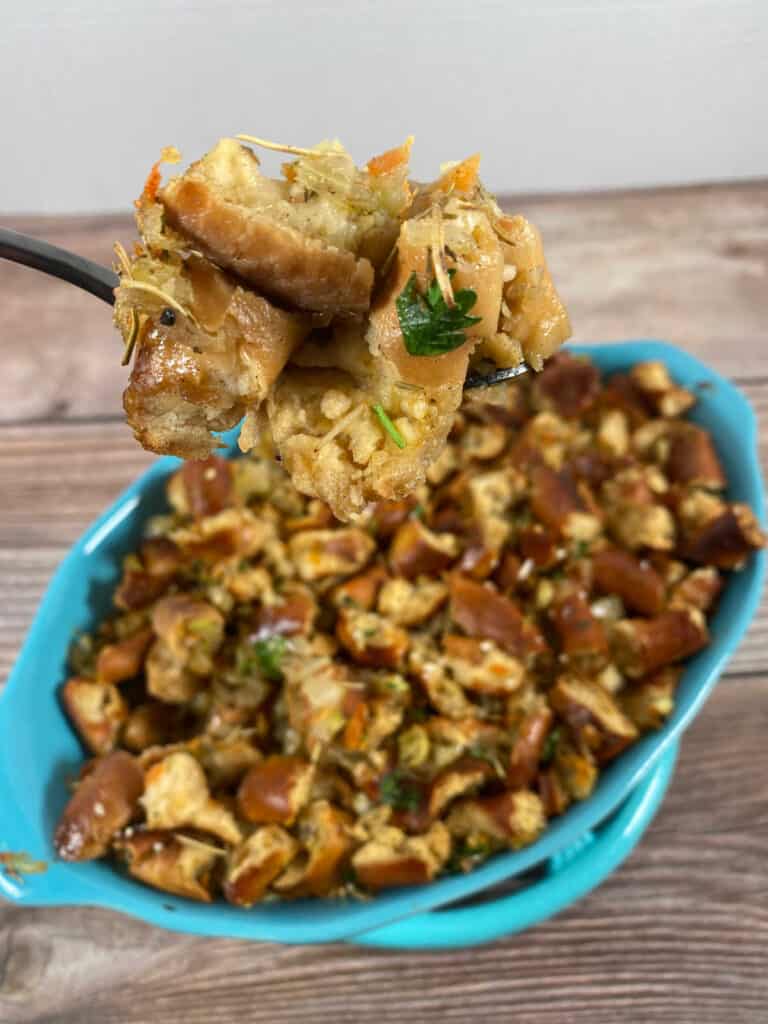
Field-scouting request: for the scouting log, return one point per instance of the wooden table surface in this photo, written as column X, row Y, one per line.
column 679, row 933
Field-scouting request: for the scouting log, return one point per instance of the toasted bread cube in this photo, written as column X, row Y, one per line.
column 151, row 724
column 692, row 459
column 176, row 794
column 553, row 793
column 567, row 385
column 481, row 667
column 321, row 553
column 124, row 659
column 418, row 551
column 456, row 780
column 407, row 603
column 633, row 579
column 644, row 526
column 191, row 630
column 581, row 633
column 97, row 711
column 105, row 800
column 207, row 487
column 168, row 679
column 528, row 746
column 445, row 694
column 324, row 831
column 393, row 859
column 513, row 818
column 172, row 863
column 484, row 441
column 661, row 392
column 292, row 616
column 576, row 769
column 481, row 611
column 274, row 790
column 593, row 716
column 370, row 639
column 362, row 590
column 698, row 589
column 725, row 539
column 650, row 701
column 643, row 645
column 304, row 253
column 256, row 863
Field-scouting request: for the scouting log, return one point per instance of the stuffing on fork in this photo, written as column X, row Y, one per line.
column 336, row 308
column 284, row 706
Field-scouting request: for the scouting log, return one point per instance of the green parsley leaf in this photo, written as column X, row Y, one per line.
column 264, row 655
column 398, row 792
column 395, row 684
column 485, row 754
column 269, row 654
column 550, row 745
column 195, row 572
column 82, row 655
column 348, row 875
column 203, row 628
column 467, row 853
column 416, row 714
column 389, row 426
column 430, row 326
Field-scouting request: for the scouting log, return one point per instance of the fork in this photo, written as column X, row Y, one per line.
column 101, row 281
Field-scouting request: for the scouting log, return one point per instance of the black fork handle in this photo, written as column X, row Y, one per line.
column 50, row 259
column 101, row 282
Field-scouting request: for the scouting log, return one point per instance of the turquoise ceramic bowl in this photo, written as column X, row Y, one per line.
column 38, row 749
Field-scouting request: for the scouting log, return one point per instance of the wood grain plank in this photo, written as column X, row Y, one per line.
column 685, row 264
column 66, row 354
column 60, row 476
column 680, row 933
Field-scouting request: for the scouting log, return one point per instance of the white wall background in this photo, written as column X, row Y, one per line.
column 557, row 94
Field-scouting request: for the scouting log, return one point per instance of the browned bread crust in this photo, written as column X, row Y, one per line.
column 212, row 204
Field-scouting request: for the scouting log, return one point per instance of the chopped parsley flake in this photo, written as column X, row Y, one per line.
column 399, row 792
column 550, row 745
column 389, row 426
column 430, row 326
column 266, row 655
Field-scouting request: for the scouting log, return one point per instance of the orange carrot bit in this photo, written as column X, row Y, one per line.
column 154, row 773
column 389, row 161
column 354, row 732
column 151, row 185
column 462, row 177
column 169, row 155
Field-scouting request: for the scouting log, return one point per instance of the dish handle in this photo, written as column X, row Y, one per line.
column 29, row 873
column 570, row 874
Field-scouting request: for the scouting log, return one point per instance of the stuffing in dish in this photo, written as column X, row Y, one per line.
column 282, row 705
column 338, row 308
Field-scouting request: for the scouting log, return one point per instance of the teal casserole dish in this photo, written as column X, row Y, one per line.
column 38, row 749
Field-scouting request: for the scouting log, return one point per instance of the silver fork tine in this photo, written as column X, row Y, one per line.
column 480, row 380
